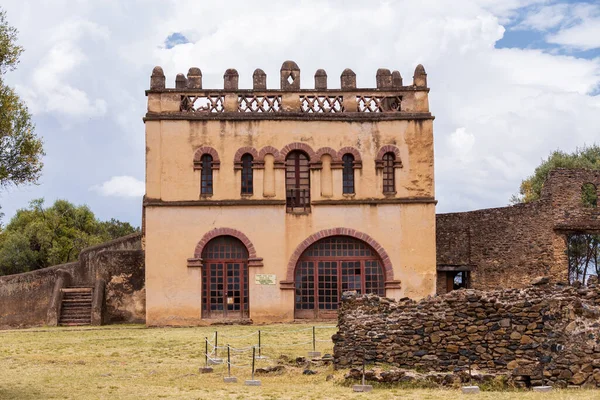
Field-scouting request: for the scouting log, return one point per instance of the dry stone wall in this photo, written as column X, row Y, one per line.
column 547, row 330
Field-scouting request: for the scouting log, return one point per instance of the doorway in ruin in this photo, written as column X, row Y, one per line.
column 330, row 267
column 583, row 254
column 225, row 279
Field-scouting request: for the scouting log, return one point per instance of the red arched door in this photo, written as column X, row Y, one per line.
column 330, row 267
column 225, row 279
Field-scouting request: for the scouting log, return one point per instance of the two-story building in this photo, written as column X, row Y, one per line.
column 269, row 203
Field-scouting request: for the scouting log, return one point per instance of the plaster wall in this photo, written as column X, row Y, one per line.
column 174, row 289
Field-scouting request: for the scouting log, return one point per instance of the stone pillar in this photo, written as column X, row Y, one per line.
column 194, row 78
column 157, row 79
column 384, row 78
column 326, row 177
column 321, row 79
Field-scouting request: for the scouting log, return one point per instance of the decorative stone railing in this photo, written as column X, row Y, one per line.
column 189, row 99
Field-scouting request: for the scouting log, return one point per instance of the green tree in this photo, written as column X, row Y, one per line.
column 38, row 237
column 21, row 150
column 585, row 157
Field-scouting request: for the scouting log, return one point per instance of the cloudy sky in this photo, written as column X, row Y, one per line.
column 510, row 80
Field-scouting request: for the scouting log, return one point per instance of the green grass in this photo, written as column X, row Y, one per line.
column 132, row 362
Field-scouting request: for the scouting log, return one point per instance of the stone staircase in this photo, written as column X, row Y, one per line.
column 76, row 306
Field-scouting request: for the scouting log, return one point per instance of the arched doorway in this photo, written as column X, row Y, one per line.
column 330, row 267
column 225, row 279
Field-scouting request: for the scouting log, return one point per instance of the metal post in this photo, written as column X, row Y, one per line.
column 314, row 341
column 206, row 351
column 363, row 372
column 253, row 357
column 259, row 356
column 216, row 344
column 228, row 362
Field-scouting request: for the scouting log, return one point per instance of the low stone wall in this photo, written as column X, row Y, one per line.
column 25, row 298
column 522, row 333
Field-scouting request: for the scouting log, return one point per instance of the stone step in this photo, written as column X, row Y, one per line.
column 77, row 290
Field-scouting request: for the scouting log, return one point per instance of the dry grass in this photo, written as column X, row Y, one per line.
column 131, row 362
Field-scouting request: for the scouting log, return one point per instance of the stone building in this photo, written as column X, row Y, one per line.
column 266, row 204
column 508, row 246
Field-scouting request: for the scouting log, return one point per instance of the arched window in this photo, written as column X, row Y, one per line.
column 389, row 181
column 206, row 177
column 225, row 279
column 348, row 173
column 330, row 267
column 297, row 181
column 247, row 174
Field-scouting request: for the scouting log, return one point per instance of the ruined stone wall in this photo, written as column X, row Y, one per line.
column 502, row 332
column 506, row 247
column 25, row 298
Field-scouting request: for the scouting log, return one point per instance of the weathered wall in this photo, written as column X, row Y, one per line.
column 506, row 247
column 177, row 216
column 501, row 332
column 25, row 298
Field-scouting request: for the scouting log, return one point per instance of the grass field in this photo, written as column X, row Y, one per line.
column 132, row 362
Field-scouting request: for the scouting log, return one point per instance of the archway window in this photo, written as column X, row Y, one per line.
column 589, row 195
column 389, row 181
column 348, row 173
column 297, row 181
column 225, row 279
column 206, row 177
column 247, row 174
column 330, row 267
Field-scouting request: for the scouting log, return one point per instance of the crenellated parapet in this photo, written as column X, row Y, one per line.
column 390, row 99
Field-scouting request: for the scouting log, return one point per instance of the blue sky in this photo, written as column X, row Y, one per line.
column 510, row 80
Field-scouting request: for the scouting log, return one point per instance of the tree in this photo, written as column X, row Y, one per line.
column 39, row 237
column 21, row 150
column 531, row 188
column 583, row 248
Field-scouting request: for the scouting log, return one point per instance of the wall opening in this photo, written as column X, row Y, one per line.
column 583, row 254
column 589, row 195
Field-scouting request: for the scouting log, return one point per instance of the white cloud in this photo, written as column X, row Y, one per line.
column 546, row 17
column 498, row 111
column 584, row 36
column 121, row 186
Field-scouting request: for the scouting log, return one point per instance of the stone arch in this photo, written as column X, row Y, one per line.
column 237, row 158
column 388, row 149
column 253, row 260
column 268, row 150
column 216, row 163
column 385, row 258
column 326, row 150
column 354, row 152
column 298, row 146
column 243, row 150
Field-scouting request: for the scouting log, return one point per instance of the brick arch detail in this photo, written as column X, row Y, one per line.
column 206, row 150
column 349, row 150
column 326, row 150
column 385, row 258
column 388, row 149
column 298, row 146
column 225, row 232
column 268, row 150
column 245, row 150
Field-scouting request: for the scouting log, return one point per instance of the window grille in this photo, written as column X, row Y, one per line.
column 389, row 181
column 297, row 182
column 206, row 177
column 247, row 174
column 348, row 173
